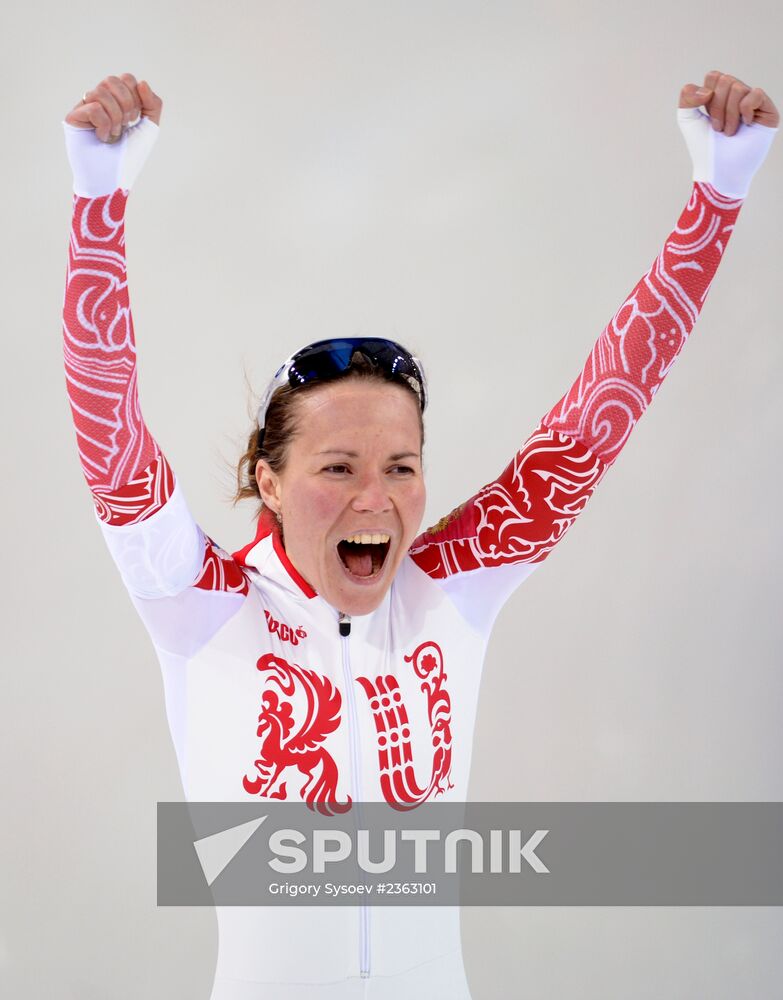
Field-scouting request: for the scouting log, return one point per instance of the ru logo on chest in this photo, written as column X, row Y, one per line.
column 301, row 709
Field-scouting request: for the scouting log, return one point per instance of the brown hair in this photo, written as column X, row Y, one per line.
column 281, row 426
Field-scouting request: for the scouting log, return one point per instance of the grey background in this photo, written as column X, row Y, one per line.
column 485, row 182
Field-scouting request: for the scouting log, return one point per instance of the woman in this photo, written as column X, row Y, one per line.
column 337, row 657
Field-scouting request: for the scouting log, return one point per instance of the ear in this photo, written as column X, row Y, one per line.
column 269, row 486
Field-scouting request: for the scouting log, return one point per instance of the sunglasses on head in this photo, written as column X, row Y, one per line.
column 327, row 359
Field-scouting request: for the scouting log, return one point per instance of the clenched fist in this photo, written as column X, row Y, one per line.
column 728, row 100
column 117, row 102
column 109, row 135
column 728, row 128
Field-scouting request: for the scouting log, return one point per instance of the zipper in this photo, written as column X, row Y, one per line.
column 344, row 623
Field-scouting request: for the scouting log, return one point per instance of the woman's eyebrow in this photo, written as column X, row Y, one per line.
column 353, row 454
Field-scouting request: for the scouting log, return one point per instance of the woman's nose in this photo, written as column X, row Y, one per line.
column 372, row 495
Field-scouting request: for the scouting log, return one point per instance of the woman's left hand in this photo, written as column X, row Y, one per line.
column 729, row 101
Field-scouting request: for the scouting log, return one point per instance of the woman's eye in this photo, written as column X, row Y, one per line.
column 404, row 470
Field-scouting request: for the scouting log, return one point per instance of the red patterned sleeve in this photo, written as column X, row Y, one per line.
column 127, row 474
column 523, row 514
column 158, row 547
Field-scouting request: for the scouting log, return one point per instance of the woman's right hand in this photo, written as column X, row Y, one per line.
column 117, row 102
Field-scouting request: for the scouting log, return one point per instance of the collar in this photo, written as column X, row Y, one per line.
column 256, row 553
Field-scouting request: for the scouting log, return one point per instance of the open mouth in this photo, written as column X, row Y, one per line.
column 364, row 555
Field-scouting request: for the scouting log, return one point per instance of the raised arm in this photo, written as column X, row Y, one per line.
column 517, row 519
column 158, row 547
column 127, row 473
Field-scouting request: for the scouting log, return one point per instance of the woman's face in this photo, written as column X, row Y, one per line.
column 353, row 471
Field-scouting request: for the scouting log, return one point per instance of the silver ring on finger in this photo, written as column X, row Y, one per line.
column 84, row 97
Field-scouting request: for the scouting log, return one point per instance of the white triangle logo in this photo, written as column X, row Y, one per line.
column 219, row 849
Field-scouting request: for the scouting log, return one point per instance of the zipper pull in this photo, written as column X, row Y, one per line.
column 344, row 623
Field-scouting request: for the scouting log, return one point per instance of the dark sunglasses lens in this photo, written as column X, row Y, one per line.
column 329, row 358
column 321, row 361
column 397, row 361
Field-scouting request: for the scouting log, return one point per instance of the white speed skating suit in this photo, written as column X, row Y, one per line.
column 264, row 697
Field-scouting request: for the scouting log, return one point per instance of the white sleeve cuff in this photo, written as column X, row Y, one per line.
column 727, row 162
column 99, row 168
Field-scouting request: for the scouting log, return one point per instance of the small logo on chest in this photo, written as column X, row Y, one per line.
column 284, row 632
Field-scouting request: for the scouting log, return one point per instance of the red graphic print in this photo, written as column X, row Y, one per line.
column 139, row 498
column 286, row 632
column 121, row 460
column 528, row 509
column 297, row 742
column 220, row 572
column 635, row 351
column 519, row 517
column 395, row 756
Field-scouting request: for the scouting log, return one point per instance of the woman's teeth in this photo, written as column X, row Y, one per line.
column 364, row 552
